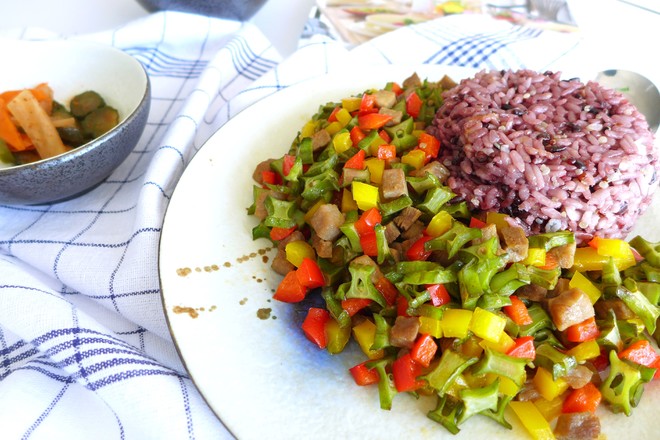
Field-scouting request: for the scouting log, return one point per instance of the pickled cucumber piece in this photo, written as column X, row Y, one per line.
column 59, row 111
column 100, row 121
column 6, row 157
column 83, row 104
column 73, row 136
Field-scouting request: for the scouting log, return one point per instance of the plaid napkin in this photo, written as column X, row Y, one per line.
column 85, row 350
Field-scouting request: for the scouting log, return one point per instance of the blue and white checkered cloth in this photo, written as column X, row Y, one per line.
column 85, row 351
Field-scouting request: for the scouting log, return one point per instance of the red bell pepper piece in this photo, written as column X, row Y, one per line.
column 314, row 326
column 357, row 161
column 439, row 294
column 405, row 372
column 277, row 234
column 367, row 221
column 429, row 144
column 641, row 352
column 384, row 136
column 271, row 178
column 309, row 274
column 423, row 350
column 523, row 348
column 416, row 252
column 517, row 311
column 288, row 162
column 583, row 331
column 368, row 104
column 397, row 89
column 290, row 290
column 369, row 244
column 387, row 289
column 354, row 305
column 413, row 104
column 386, row 152
column 582, row 399
column 373, row 121
column 356, row 135
column 363, row 376
column 333, row 114
column 402, row 306
column 476, row 223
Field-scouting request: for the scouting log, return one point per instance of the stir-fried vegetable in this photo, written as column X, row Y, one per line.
column 33, row 126
column 443, row 302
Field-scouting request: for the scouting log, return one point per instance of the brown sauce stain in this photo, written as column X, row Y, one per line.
column 189, row 310
column 264, row 313
column 184, row 271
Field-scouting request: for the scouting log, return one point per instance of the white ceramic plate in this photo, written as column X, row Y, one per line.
column 245, row 352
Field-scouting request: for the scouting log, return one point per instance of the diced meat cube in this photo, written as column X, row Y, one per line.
column 404, row 331
column 415, row 231
column 565, row 255
column 447, row 82
column 320, row 139
column 578, row 376
column 569, row 308
column 487, row 232
column 366, row 260
column 577, row 426
column 391, row 232
column 263, row 166
column 260, row 210
column 281, row 265
column 408, row 216
column 532, row 292
column 412, row 81
column 326, row 221
column 394, row 183
column 322, row 247
column 351, row 174
column 396, row 116
column 434, row 167
column 516, row 244
column 385, row 98
column 620, row 309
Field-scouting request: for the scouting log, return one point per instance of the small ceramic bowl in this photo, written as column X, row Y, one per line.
column 229, row 9
column 71, row 67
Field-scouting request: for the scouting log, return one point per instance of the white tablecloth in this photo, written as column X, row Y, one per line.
column 85, row 350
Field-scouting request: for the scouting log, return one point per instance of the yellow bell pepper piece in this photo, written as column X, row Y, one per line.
column 430, row 326
column 342, row 141
column 347, row 202
column 309, row 214
column 487, row 325
column 439, row 224
column 376, row 167
column 364, row 333
column 333, row 128
column 351, row 104
column 309, row 129
column 456, row 323
column 297, row 250
column 504, row 344
column 506, row 386
column 547, row 386
column 374, row 144
column 551, row 409
column 532, row 419
column 585, row 351
column 497, row 219
column 470, row 347
column 415, row 158
column 343, row 117
column 588, row 258
column 535, row 257
column 366, row 196
column 583, row 283
column 613, row 247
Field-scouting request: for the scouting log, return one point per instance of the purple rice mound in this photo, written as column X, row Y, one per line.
column 554, row 154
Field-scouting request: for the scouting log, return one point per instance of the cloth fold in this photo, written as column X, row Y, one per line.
column 84, row 343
